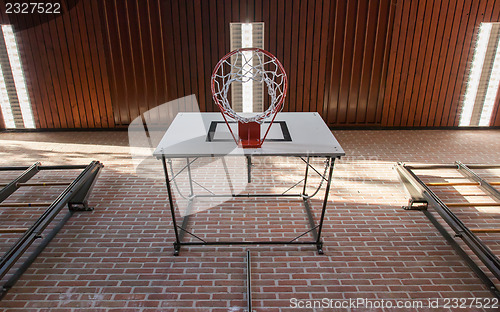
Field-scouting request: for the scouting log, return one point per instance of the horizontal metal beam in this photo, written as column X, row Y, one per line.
column 484, row 185
column 11, row 187
column 431, row 167
column 40, row 167
column 44, row 184
column 458, row 183
column 250, row 243
column 248, row 195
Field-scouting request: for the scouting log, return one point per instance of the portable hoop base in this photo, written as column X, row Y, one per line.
column 249, row 133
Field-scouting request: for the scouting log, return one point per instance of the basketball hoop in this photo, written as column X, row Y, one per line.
column 256, row 65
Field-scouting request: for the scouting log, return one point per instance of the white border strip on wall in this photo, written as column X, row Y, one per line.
column 17, row 72
column 475, row 74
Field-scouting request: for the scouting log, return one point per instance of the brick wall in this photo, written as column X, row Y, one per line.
column 119, row 257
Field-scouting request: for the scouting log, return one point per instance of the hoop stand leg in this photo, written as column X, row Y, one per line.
column 185, row 219
column 249, row 168
column 177, row 245
column 319, row 242
column 190, row 178
column 307, row 206
column 305, row 177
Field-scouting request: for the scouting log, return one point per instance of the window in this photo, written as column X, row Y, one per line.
column 247, row 97
column 484, row 78
column 15, row 103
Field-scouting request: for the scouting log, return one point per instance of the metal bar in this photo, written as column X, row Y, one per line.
column 172, row 209
column 195, row 236
column 249, row 195
column 451, row 183
column 305, row 177
column 309, row 165
column 459, row 183
column 13, row 230
column 485, row 230
column 25, row 204
column 206, row 189
column 61, row 167
column 291, row 187
column 34, row 232
column 452, row 177
column 24, row 177
column 319, row 244
column 484, row 166
column 44, row 184
column 485, row 186
column 473, row 242
column 313, row 229
column 310, row 219
column 190, row 178
column 179, row 231
column 429, row 167
column 37, row 184
column 472, row 204
column 183, row 168
column 249, row 169
column 460, row 251
column 249, row 281
column 250, row 243
column 26, row 264
column 185, row 222
column 79, row 200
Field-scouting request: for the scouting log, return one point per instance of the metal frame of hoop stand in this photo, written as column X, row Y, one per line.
column 316, row 230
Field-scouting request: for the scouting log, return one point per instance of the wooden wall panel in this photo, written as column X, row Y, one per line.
column 4, row 19
column 427, row 79
column 65, row 66
column 389, row 63
column 495, row 118
column 357, row 62
column 196, row 36
column 360, row 34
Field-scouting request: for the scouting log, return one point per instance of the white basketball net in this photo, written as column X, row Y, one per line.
column 256, row 65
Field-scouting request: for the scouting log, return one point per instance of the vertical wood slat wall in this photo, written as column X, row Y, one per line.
column 64, row 65
column 431, row 50
column 357, row 62
column 338, row 78
column 4, row 19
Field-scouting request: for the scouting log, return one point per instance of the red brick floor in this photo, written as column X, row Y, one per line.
column 119, row 257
